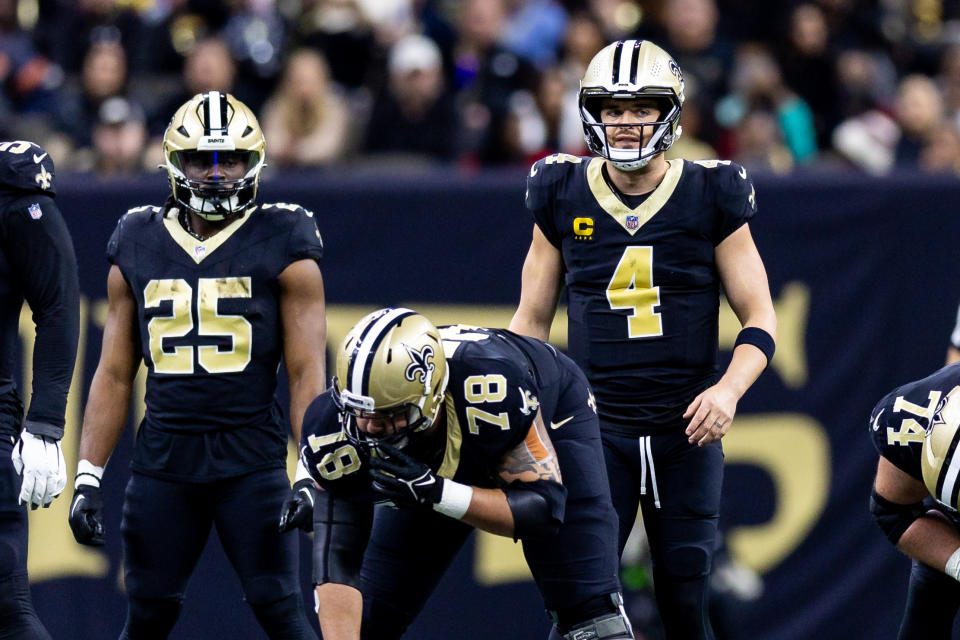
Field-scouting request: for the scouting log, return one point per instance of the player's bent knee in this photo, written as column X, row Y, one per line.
column 150, row 618
column 284, row 619
column 687, row 562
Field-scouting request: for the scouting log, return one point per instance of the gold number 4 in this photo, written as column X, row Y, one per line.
column 631, row 287
column 180, row 322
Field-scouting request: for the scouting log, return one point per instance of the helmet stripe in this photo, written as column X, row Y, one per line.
column 626, row 62
column 635, row 60
column 366, row 349
column 948, row 487
column 215, row 113
column 616, row 62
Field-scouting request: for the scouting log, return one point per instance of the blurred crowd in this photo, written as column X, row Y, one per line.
column 869, row 85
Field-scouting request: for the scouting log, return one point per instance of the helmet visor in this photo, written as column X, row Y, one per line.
column 215, row 166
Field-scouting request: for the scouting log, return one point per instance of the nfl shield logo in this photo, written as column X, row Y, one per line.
column 633, row 222
column 35, row 211
column 199, row 250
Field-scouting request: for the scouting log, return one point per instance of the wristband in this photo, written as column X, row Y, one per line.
column 302, row 473
column 88, row 474
column 758, row 338
column 953, row 565
column 455, row 499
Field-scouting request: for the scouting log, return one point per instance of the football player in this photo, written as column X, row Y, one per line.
column 915, row 495
column 460, row 428
column 643, row 245
column 209, row 290
column 37, row 264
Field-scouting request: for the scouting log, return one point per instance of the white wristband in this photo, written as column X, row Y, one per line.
column 87, row 474
column 953, row 565
column 455, row 499
column 302, row 473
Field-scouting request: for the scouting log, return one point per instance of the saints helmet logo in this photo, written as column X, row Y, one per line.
column 43, row 178
column 420, row 367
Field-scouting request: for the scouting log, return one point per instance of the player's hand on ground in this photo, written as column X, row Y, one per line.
column 297, row 510
column 39, row 461
column 404, row 479
column 710, row 415
column 86, row 515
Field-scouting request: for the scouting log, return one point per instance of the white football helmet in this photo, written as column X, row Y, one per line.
column 628, row 70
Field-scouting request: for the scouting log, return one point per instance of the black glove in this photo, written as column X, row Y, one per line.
column 403, row 479
column 297, row 510
column 86, row 515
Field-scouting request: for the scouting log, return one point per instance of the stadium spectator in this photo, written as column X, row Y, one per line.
column 690, row 146
column 119, row 139
column 757, row 84
column 104, row 75
column 919, row 114
column 415, row 115
column 808, row 67
column 534, row 31
column 306, row 119
column 759, row 144
column 341, row 30
column 485, row 77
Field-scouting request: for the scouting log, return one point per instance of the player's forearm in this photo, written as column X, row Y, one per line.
column 105, row 416
column 304, row 387
column 930, row 539
column 340, row 611
column 490, row 512
column 745, row 367
column 528, row 324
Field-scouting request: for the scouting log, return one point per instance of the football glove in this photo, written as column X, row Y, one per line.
column 297, row 510
column 39, row 460
column 403, row 479
column 86, row 515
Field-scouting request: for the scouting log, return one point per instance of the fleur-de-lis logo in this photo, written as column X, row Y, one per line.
column 43, row 178
column 420, row 367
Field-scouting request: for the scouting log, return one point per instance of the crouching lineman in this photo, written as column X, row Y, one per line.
column 915, row 495
column 450, row 425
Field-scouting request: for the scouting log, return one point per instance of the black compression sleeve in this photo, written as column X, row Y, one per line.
column 341, row 530
column 44, row 265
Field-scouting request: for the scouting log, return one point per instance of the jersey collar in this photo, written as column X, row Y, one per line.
column 197, row 249
column 632, row 219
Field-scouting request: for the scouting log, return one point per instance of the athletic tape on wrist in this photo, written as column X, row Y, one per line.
column 953, row 565
column 87, row 474
column 302, row 473
column 455, row 499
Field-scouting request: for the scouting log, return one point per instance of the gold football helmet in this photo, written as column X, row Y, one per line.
column 213, row 128
column 939, row 459
column 632, row 69
column 390, row 365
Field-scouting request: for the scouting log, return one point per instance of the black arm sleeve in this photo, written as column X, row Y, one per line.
column 341, row 530
column 44, row 266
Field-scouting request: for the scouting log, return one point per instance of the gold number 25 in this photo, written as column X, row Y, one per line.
column 180, row 359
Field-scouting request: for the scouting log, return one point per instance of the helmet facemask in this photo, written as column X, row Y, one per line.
column 217, row 197
column 665, row 129
column 404, row 420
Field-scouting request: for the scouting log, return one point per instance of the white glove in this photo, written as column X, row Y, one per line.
column 40, row 461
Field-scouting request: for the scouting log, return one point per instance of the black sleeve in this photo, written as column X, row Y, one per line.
column 40, row 251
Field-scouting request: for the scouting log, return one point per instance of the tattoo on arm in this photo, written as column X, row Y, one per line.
column 533, row 459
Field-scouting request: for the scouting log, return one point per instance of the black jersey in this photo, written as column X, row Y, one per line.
column 209, row 320
column 37, row 264
column 492, row 397
column 642, row 283
column 901, row 419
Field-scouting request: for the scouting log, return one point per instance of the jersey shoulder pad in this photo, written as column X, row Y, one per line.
column 133, row 222
column 546, row 173
column 731, row 184
column 332, row 461
column 305, row 239
column 26, row 166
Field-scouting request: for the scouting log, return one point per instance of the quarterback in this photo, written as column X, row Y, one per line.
column 459, row 428
column 209, row 291
column 643, row 246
